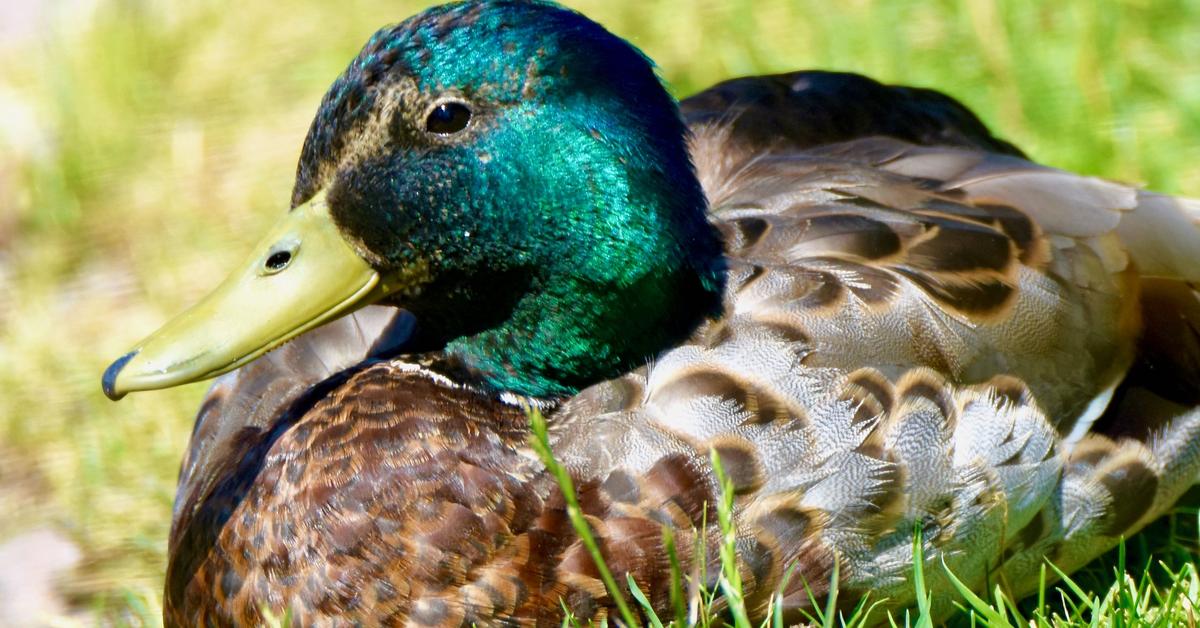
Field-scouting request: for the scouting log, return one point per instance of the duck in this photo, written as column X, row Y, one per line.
column 901, row 338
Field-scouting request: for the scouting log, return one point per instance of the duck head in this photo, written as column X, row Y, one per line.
column 511, row 173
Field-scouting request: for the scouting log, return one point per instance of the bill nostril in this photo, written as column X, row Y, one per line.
column 278, row 260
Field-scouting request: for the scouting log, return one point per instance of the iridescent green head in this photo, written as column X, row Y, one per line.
column 510, row 172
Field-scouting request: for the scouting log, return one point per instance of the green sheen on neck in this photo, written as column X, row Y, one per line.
column 617, row 263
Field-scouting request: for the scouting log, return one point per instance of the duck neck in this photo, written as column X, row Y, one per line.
column 578, row 332
column 622, row 265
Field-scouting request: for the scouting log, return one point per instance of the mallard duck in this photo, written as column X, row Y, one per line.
column 886, row 322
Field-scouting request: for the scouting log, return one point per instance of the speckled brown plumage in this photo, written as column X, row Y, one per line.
column 399, row 499
column 919, row 330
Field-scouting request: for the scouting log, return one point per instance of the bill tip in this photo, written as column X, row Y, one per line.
column 109, row 381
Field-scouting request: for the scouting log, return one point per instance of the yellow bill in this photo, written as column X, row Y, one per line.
column 301, row 275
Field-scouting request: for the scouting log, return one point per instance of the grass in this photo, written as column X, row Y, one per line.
column 145, row 144
column 1157, row 595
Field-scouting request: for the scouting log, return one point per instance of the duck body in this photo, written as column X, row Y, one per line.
column 911, row 328
column 849, row 397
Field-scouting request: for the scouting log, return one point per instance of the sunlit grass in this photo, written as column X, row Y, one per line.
column 145, row 144
column 1156, row 594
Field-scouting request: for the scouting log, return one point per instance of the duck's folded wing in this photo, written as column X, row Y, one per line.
column 921, row 336
column 800, row 110
column 930, row 338
column 878, row 252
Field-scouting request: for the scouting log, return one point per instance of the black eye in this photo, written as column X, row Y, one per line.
column 447, row 118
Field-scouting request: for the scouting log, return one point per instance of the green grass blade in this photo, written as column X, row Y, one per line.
column 636, row 591
column 1083, row 596
column 924, row 617
column 731, row 580
column 676, row 593
column 540, row 441
column 977, row 604
column 862, row 612
column 831, row 599
column 1041, row 593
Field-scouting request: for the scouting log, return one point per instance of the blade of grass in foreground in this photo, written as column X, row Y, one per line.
column 976, row 603
column 677, row 595
column 636, row 591
column 731, row 580
column 924, row 616
column 541, row 445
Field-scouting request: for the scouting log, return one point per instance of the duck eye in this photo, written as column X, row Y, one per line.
column 447, row 118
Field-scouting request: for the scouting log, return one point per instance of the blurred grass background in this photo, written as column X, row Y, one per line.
column 145, row 144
